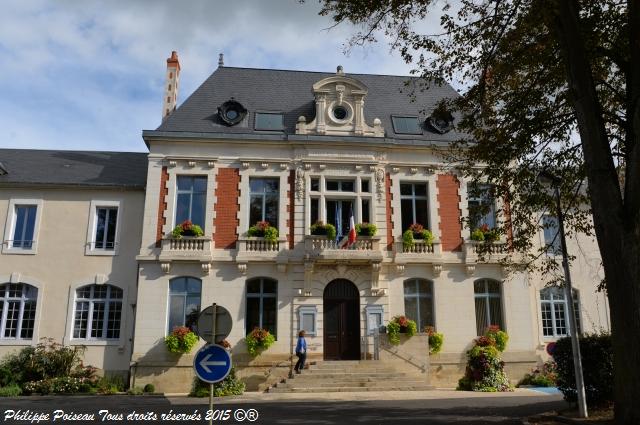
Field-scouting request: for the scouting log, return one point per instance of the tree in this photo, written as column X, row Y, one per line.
column 546, row 85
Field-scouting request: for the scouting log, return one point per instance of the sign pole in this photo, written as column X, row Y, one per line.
column 213, row 338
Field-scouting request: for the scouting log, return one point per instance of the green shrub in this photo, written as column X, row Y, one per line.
column 319, row 228
column 262, row 229
column 477, row 235
column 110, row 384
column 231, row 385
column 485, row 368
column 149, row 388
column 416, row 231
column 187, row 228
column 181, row 340
column 597, row 367
column 435, row 340
column 545, row 376
column 59, row 385
column 259, row 340
column 484, row 233
column 499, row 337
column 12, row 390
column 398, row 325
column 135, row 391
column 366, row 229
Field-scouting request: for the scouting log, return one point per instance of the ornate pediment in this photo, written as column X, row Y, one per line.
column 339, row 109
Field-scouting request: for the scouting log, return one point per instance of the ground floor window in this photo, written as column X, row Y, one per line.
column 17, row 310
column 262, row 305
column 184, row 302
column 418, row 302
column 555, row 312
column 488, row 300
column 98, row 312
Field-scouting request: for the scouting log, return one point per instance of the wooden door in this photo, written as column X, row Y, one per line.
column 341, row 321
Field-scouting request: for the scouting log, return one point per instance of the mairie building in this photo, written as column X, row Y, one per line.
column 88, row 257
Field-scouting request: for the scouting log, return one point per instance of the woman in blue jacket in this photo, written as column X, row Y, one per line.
column 301, row 352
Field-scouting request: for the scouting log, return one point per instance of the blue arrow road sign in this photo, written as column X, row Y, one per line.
column 212, row 363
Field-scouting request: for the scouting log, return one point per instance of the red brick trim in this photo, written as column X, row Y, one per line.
column 449, row 212
column 389, row 210
column 162, row 206
column 508, row 225
column 291, row 206
column 226, row 208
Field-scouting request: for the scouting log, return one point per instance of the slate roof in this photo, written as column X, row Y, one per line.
column 291, row 92
column 76, row 168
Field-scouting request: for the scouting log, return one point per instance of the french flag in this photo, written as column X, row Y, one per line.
column 350, row 239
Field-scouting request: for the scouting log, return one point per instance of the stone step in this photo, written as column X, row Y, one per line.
column 422, row 387
column 379, row 375
column 348, row 378
column 338, row 384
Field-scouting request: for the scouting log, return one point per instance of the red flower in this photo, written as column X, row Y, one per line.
column 493, row 329
column 402, row 321
column 262, row 225
column 430, row 330
column 484, row 341
column 484, row 228
column 416, row 228
column 186, row 225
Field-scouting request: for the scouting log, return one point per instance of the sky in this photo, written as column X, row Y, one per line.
column 89, row 75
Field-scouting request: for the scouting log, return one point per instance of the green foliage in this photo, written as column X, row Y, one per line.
column 181, row 340
column 546, row 376
column 597, row 366
column 149, row 388
column 59, row 385
column 500, row 338
column 485, row 368
column 262, row 229
column 477, row 235
column 398, row 325
column 12, row 390
column 135, row 391
column 436, row 340
column 416, row 231
column 366, row 229
column 110, row 384
column 259, row 340
column 187, row 228
column 230, row 385
column 319, row 228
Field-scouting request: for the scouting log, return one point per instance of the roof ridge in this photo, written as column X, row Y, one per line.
column 70, row 150
column 315, row 72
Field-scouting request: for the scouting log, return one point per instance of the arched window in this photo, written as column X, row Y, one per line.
column 488, row 298
column 262, row 304
column 184, row 302
column 555, row 312
column 17, row 310
column 98, row 312
column 418, row 302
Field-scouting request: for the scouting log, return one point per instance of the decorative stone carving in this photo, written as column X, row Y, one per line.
column 413, row 170
column 264, row 165
column 437, row 269
column 400, row 268
column 211, row 164
column 307, row 166
column 375, row 275
column 173, row 163
column 358, row 167
column 380, row 183
column 246, row 165
column 308, row 276
column 299, row 183
column 380, row 156
column 283, row 165
column 379, row 292
column 322, row 166
column 395, row 169
column 100, row 279
column 282, row 267
column 166, row 267
column 16, row 277
column 242, row 268
column 470, row 269
column 206, row 268
column 191, row 164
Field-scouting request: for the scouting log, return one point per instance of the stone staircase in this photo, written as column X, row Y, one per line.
column 352, row 376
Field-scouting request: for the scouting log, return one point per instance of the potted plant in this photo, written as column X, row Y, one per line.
column 485, row 234
column 259, row 340
column 181, row 340
column 416, row 231
column 187, row 228
column 436, row 340
column 398, row 325
column 485, row 368
column 366, row 229
column 319, row 228
column 263, row 229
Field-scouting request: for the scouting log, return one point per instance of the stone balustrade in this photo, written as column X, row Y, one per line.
column 186, row 248
column 486, row 251
column 364, row 248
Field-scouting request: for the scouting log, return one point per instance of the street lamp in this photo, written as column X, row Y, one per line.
column 548, row 179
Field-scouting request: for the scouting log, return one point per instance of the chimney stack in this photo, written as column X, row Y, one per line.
column 221, row 60
column 171, row 85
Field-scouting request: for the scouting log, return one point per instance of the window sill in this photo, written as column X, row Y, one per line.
column 23, row 342
column 96, row 342
column 101, row 252
column 19, row 251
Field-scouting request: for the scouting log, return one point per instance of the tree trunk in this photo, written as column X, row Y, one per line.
column 616, row 221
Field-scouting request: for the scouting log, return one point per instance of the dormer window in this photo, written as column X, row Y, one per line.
column 340, row 113
column 406, row 125
column 269, row 121
column 231, row 112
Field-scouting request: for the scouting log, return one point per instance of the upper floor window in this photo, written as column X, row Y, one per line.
column 264, row 200
column 482, row 207
column 555, row 312
column 98, row 312
column 24, row 227
column 17, row 310
column 414, row 204
column 106, row 220
column 269, row 121
column 406, row 125
column 184, row 302
column 488, row 299
column 418, row 302
column 551, row 236
column 340, row 185
column 191, row 199
column 262, row 305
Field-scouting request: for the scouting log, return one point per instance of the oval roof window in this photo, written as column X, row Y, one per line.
column 231, row 112
column 441, row 120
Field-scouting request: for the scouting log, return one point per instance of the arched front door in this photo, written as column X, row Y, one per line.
column 341, row 321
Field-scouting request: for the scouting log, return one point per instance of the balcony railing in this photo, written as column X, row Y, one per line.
column 419, row 252
column 255, row 248
column 186, row 248
column 365, row 248
column 487, row 251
